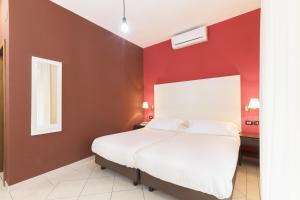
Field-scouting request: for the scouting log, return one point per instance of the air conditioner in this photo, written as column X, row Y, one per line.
column 189, row 38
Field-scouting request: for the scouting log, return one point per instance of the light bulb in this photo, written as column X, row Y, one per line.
column 124, row 26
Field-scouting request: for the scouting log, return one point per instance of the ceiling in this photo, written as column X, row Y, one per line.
column 154, row 21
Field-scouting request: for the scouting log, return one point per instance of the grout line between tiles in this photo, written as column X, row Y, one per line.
column 143, row 192
column 127, row 190
column 10, row 195
column 86, row 181
column 112, row 188
column 54, row 186
column 58, row 182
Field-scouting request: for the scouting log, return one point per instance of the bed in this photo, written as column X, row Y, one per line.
column 117, row 151
column 184, row 165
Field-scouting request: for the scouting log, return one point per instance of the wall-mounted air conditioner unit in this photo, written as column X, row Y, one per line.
column 189, row 38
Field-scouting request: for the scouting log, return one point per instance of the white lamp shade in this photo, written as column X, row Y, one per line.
column 254, row 103
column 145, row 105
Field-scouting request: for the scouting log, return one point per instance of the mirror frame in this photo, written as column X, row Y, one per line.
column 35, row 130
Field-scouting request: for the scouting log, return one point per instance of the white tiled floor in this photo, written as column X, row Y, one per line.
column 85, row 180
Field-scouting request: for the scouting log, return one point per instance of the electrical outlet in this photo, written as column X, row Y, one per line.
column 256, row 123
column 249, row 123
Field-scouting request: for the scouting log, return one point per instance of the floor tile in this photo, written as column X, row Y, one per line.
column 83, row 162
column 67, row 189
column 238, row 194
column 105, row 196
column 239, row 198
column 4, row 195
column 253, row 192
column 86, row 166
column 66, row 174
column 87, row 180
column 98, row 186
column 157, row 195
column 33, row 189
column 240, row 188
column 99, row 173
column 128, row 195
column 124, row 183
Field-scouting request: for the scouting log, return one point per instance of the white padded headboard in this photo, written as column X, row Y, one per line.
column 212, row 99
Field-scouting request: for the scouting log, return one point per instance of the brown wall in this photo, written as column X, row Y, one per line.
column 1, row 111
column 4, row 41
column 102, row 85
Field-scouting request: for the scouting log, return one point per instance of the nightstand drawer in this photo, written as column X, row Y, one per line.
column 248, row 141
column 249, row 146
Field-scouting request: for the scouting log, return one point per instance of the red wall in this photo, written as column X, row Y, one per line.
column 232, row 48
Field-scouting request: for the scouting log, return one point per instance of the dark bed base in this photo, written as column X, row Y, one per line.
column 175, row 190
column 130, row 173
column 154, row 183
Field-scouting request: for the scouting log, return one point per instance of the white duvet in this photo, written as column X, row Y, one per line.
column 200, row 162
column 121, row 148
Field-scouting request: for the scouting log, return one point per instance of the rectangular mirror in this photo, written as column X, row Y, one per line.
column 46, row 96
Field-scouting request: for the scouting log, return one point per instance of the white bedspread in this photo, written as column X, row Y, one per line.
column 120, row 148
column 201, row 162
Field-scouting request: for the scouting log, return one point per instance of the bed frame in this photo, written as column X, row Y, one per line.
column 176, row 190
column 153, row 183
column 131, row 173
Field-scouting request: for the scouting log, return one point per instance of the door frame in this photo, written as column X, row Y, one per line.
column 3, row 45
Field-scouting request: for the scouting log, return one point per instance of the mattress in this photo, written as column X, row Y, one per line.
column 121, row 148
column 201, row 162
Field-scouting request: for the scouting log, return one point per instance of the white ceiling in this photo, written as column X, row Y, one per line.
column 154, row 21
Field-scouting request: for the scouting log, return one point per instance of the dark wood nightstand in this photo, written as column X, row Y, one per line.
column 138, row 126
column 249, row 141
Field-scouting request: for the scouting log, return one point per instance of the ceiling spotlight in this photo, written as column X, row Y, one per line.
column 124, row 26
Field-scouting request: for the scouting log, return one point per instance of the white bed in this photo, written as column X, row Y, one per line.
column 120, row 148
column 193, row 161
column 201, row 162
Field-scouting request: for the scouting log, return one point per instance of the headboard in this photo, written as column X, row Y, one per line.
column 212, row 99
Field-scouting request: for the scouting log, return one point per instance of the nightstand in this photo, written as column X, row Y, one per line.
column 138, row 126
column 251, row 142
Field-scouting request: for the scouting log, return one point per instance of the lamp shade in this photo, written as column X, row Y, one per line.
column 145, row 105
column 254, row 103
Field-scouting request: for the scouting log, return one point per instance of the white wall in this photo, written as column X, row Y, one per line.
column 280, row 99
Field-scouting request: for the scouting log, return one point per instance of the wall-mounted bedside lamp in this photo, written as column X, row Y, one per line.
column 145, row 105
column 253, row 104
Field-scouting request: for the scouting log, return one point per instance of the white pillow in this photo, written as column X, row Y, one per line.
column 212, row 127
column 167, row 124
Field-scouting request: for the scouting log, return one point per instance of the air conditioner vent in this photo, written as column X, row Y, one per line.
column 189, row 38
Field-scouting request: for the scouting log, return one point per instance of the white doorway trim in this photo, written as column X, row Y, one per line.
column 280, row 98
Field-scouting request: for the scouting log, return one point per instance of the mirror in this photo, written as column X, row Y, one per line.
column 46, row 96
